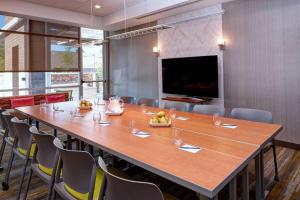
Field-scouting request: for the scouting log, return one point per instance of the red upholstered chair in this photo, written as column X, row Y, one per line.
column 24, row 101
column 55, row 98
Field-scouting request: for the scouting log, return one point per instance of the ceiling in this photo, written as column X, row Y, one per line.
column 84, row 6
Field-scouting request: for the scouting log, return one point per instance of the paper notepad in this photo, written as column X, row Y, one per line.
column 182, row 118
column 150, row 113
column 190, row 148
column 232, row 126
column 142, row 134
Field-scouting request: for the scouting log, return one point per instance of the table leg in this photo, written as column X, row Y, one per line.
column 257, row 178
column 245, row 179
column 69, row 142
column 262, row 169
column 232, row 189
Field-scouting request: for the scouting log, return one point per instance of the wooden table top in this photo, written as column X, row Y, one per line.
column 224, row 152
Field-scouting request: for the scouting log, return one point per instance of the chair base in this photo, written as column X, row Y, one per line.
column 5, row 186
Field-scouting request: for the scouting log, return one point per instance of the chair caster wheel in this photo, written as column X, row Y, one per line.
column 1, row 169
column 276, row 179
column 5, row 186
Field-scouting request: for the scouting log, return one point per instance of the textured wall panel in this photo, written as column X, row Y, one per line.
column 262, row 59
column 196, row 37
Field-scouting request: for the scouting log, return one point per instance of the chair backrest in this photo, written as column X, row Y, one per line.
column 77, row 168
column 46, row 149
column 178, row 106
column 2, row 125
column 128, row 99
column 7, row 124
column 117, row 188
column 55, row 98
column 70, row 93
column 21, row 129
column 252, row 115
column 24, row 101
column 209, row 109
column 148, row 102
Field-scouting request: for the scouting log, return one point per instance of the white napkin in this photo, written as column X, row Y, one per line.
column 190, row 148
column 232, row 126
column 182, row 118
column 150, row 113
column 142, row 134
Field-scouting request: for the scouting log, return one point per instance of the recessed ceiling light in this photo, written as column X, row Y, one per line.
column 97, row 6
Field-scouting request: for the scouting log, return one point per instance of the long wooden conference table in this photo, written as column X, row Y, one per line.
column 225, row 152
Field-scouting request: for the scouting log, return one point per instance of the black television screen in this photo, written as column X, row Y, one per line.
column 192, row 76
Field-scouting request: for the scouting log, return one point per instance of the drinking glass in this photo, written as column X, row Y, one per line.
column 55, row 107
column 176, row 133
column 43, row 103
column 97, row 117
column 143, row 108
column 217, row 120
column 133, row 127
column 172, row 113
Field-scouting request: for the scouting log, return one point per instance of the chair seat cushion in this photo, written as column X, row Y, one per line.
column 55, row 98
column 81, row 196
column 46, row 170
column 24, row 151
column 19, row 102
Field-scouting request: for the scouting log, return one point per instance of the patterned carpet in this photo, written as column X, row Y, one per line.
column 287, row 188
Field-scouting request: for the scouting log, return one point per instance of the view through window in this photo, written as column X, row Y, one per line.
column 64, row 60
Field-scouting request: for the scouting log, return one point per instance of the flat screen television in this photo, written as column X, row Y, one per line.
column 191, row 76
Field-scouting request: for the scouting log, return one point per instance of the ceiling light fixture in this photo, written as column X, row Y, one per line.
column 138, row 32
column 97, row 6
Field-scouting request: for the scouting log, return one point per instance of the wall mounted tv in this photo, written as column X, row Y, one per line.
column 191, row 76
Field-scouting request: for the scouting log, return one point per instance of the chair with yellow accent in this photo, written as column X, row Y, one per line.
column 117, row 188
column 82, row 178
column 22, row 148
column 4, row 134
column 8, row 139
column 43, row 159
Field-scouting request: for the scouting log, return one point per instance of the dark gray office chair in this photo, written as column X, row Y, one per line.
column 116, row 188
column 82, row 179
column 209, row 109
column 8, row 134
column 177, row 105
column 22, row 148
column 43, row 160
column 148, row 102
column 129, row 100
column 258, row 116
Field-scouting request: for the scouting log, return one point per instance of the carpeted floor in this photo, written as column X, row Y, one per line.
column 287, row 188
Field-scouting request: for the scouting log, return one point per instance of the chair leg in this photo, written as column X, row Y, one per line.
column 55, row 133
column 2, row 152
column 54, row 195
column 28, row 183
column 22, row 178
column 5, row 185
column 276, row 178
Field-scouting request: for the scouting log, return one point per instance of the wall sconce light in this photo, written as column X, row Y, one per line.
column 221, row 43
column 156, row 50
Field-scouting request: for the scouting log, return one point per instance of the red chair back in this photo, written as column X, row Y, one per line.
column 19, row 102
column 55, row 98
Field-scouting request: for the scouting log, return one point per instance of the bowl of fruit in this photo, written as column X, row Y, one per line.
column 160, row 120
column 85, row 105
